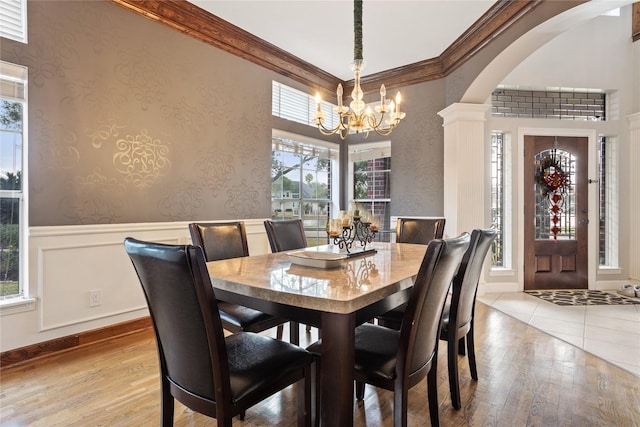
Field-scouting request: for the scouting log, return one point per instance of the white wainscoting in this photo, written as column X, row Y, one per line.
column 66, row 263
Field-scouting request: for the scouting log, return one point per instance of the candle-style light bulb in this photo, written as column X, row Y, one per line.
column 383, row 93
column 318, row 100
column 398, row 99
column 339, row 93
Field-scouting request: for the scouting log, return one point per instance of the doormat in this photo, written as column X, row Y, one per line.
column 582, row 297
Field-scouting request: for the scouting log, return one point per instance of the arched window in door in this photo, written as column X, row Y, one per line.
column 561, row 203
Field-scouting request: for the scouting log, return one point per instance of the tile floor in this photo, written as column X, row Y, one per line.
column 611, row 332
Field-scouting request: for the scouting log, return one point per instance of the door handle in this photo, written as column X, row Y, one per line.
column 584, row 221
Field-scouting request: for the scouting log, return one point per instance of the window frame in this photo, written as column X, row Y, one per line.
column 504, row 230
column 299, row 144
column 15, row 89
column 365, row 152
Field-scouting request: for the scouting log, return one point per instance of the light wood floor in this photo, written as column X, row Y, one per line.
column 527, row 378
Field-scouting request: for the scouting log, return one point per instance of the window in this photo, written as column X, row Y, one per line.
column 500, row 200
column 370, row 166
column 607, row 203
column 567, row 214
column 304, row 172
column 12, row 118
column 292, row 104
column 13, row 20
column 549, row 103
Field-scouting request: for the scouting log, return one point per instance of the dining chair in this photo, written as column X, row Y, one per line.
column 398, row 360
column 224, row 240
column 287, row 235
column 208, row 373
column 458, row 315
column 419, row 230
column 412, row 230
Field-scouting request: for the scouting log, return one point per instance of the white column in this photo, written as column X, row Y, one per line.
column 634, row 196
column 466, row 156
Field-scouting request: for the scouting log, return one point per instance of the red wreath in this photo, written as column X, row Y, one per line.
column 553, row 183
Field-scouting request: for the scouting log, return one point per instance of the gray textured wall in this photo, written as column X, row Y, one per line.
column 130, row 121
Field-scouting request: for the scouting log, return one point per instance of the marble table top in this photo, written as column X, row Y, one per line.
column 355, row 283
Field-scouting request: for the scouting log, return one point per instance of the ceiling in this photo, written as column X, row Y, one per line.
column 395, row 32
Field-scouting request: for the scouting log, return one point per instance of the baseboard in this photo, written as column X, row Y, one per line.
column 55, row 346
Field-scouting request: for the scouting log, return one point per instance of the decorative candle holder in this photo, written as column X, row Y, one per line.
column 349, row 230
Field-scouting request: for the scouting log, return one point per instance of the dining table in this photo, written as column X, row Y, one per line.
column 325, row 287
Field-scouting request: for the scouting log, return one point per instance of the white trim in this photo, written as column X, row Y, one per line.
column 16, row 305
column 605, row 270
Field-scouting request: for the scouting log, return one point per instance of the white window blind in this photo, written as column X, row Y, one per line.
column 292, row 104
column 299, row 144
column 13, row 20
column 12, row 81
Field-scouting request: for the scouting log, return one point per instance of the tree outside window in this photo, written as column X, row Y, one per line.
column 11, row 114
column 301, row 188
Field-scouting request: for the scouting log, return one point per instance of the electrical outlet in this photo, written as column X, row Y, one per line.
column 95, row 298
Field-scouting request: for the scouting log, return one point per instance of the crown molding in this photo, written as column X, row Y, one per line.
column 206, row 27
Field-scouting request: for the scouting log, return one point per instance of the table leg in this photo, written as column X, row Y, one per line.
column 336, row 375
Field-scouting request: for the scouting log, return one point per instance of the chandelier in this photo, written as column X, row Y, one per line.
column 357, row 116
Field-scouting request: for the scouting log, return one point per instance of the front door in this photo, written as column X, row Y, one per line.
column 555, row 212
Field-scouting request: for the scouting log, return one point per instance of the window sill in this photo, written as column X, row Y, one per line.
column 17, row 305
column 609, row 270
column 501, row 272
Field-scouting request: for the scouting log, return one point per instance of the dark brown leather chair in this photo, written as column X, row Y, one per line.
column 398, row 360
column 412, row 230
column 419, row 230
column 205, row 371
column 224, row 240
column 285, row 235
column 457, row 318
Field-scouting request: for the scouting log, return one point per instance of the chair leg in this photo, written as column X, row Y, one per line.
column 400, row 397
column 167, row 404
column 472, row 354
column 432, row 390
column 279, row 332
column 462, row 346
column 294, row 333
column 304, row 398
column 360, row 390
column 241, row 415
column 316, row 391
column 308, row 328
column 452, row 359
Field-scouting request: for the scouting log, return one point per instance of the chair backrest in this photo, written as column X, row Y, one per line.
column 220, row 240
column 419, row 230
column 421, row 322
column 285, row 235
column 185, row 317
column 465, row 284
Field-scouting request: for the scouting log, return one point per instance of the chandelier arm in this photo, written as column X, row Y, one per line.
column 385, row 132
column 373, row 122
